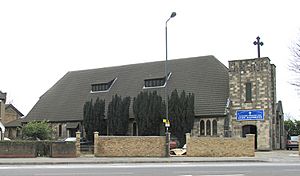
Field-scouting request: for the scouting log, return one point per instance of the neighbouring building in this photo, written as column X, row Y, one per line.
column 223, row 96
column 2, row 113
column 9, row 114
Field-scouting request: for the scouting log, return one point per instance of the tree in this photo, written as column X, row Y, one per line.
column 37, row 130
column 181, row 114
column 118, row 115
column 148, row 109
column 294, row 65
column 292, row 127
column 88, row 119
column 99, row 121
column 93, row 118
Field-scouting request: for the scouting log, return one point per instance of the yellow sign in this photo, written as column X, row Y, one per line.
column 166, row 122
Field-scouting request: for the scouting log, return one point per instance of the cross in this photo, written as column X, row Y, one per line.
column 258, row 43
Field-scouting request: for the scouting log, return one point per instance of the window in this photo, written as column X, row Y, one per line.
column 248, row 92
column 208, row 130
column 156, row 82
column 202, row 128
column 215, row 128
column 102, row 87
column 59, row 130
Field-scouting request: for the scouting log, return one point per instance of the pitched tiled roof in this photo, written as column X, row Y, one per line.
column 14, row 108
column 14, row 123
column 205, row 76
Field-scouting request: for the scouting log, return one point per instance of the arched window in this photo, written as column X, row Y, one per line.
column 60, row 130
column 215, row 128
column 208, row 130
column 134, row 133
column 202, row 133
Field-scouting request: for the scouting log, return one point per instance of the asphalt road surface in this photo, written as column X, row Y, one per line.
column 157, row 169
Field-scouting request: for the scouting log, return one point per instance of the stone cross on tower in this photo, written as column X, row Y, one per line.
column 258, row 43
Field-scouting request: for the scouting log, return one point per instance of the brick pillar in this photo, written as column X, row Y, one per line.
column 187, row 140
column 78, row 144
column 251, row 138
column 96, row 140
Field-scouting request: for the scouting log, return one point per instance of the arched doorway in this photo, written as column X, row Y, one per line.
column 250, row 129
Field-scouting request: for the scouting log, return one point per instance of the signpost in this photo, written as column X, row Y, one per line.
column 167, row 125
column 255, row 114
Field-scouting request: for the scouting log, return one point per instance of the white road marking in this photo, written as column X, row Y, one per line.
column 294, row 155
column 292, row 170
column 223, row 175
column 89, row 173
column 212, row 173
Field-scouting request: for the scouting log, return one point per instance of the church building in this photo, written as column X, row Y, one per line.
column 229, row 101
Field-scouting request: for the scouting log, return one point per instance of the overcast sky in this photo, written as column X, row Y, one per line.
column 40, row 41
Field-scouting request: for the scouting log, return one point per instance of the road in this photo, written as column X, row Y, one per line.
column 157, row 169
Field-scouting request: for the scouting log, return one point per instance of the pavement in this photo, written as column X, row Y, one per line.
column 269, row 156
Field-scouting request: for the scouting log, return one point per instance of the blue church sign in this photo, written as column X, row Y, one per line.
column 250, row 115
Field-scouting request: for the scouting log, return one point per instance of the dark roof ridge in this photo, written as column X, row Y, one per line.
column 142, row 63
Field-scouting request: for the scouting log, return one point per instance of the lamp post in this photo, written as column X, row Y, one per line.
column 166, row 90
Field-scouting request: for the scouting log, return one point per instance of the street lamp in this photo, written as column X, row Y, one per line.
column 166, row 90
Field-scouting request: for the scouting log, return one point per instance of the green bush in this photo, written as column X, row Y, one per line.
column 37, row 130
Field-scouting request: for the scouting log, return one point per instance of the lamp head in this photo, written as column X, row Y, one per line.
column 173, row 14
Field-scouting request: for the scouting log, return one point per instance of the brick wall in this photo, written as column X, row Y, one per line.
column 130, row 146
column 17, row 149
column 31, row 149
column 63, row 150
column 55, row 127
column 198, row 131
column 10, row 115
column 220, row 147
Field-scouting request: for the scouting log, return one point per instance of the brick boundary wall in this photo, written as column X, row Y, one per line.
column 220, row 147
column 32, row 149
column 17, row 149
column 129, row 146
column 63, row 150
